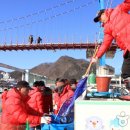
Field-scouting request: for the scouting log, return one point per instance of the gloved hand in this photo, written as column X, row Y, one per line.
column 46, row 119
column 94, row 59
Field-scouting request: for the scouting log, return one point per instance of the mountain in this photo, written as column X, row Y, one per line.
column 65, row 66
column 16, row 75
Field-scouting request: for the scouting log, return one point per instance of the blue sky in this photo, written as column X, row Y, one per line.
column 76, row 26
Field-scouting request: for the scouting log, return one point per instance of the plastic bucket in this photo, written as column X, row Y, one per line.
column 103, row 83
column 57, row 126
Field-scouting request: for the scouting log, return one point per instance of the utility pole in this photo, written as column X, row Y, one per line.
column 102, row 59
column 101, row 67
column 102, row 4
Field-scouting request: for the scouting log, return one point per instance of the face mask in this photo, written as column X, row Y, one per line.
column 73, row 87
column 59, row 89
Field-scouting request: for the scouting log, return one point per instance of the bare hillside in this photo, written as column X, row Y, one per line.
column 65, row 66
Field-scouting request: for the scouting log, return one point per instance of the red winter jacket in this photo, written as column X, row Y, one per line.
column 60, row 99
column 117, row 27
column 16, row 111
column 36, row 102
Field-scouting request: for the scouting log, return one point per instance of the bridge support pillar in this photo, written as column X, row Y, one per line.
column 23, row 76
column 27, row 75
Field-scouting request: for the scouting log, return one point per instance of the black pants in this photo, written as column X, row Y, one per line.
column 126, row 66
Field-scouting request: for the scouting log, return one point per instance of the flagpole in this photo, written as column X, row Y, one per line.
column 90, row 64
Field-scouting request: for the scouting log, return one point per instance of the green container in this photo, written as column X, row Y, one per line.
column 92, row 78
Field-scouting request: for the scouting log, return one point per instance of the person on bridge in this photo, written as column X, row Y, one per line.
column 30, row 39
column 116, row 23
column 39, row 40
column 16, row 110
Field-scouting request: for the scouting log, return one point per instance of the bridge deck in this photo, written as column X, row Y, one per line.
column 51, row 46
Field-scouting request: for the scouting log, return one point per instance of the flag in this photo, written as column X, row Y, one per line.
column 66, row 111
column 61, row 114
column 81, row 87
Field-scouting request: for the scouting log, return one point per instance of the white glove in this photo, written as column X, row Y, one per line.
column 46, row 120
column 94, row 59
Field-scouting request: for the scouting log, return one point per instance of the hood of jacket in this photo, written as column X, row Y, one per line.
column 15, row 93
column 35, row 89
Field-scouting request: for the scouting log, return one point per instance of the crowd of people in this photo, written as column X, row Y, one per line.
column 22, row 103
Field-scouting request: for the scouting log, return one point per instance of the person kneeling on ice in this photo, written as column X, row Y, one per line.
column 16, row 110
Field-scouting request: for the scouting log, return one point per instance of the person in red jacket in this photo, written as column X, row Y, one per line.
column 47, row 97
column 116, row 23
column 17, row 112
column 73, row 84
column 36, row 103
column 61, row 94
